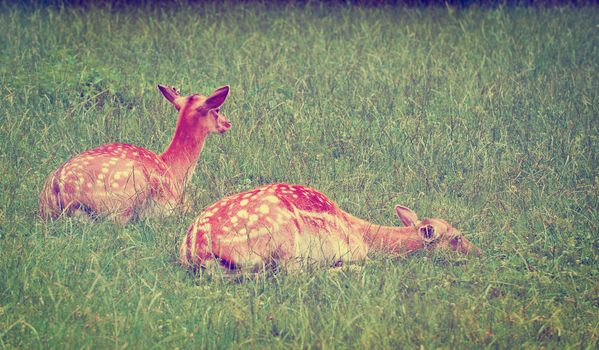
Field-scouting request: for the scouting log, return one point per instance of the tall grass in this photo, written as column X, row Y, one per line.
column 484, row 116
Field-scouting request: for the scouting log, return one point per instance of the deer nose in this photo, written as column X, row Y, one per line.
column 471, row 249
column 224, row 126
column 476, row 251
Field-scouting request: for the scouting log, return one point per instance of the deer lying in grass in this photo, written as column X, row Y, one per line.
column 123, row 181
column 291, row 224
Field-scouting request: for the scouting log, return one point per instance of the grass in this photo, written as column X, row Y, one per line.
column 486, row 117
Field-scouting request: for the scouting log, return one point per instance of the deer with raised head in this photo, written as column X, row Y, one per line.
column 123, row 181
column 291, row 224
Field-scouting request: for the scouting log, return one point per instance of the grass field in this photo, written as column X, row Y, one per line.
column 487, row 117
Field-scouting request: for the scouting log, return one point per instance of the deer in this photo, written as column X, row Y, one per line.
column 294, row 225
column 124, row 182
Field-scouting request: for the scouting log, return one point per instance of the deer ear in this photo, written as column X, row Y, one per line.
column 171, row 94
column 407, row 216
column 217, row 98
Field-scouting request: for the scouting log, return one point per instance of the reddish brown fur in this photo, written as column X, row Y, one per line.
column 292, row 223
column 122, row 181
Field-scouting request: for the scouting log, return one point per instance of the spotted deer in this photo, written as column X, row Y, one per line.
column 291, row 224
column 123, row 181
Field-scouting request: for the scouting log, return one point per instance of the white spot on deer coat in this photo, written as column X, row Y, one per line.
column 252, row 218
column 244, row 237
column 263, row 209
column 271, row 199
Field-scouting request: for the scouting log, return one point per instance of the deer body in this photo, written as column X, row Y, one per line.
column 123, row 181
column 293, row 224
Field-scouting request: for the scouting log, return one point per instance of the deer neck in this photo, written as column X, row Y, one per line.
column 389, row 239
column 182, row 154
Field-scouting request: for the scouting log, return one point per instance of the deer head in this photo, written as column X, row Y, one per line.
column 197, row 111
column 437, row 233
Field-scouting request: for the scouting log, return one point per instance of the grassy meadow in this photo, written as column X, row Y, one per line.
column 487, row 117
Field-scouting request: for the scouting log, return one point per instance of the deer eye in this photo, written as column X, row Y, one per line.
column 456, row 241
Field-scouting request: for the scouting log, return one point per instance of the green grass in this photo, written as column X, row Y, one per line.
column 487, row 117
